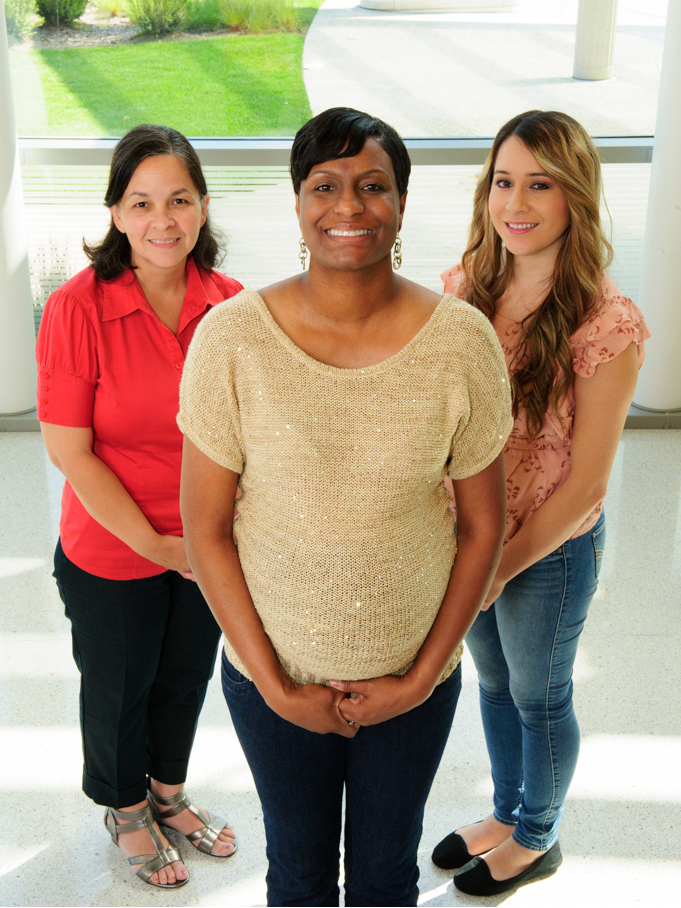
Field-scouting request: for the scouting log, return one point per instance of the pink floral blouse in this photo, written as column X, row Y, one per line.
column 535, row 469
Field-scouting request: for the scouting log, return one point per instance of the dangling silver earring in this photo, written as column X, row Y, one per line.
column 397, row 253
column 302, row 255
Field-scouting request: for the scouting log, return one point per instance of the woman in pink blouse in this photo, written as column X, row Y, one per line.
column 535, row 265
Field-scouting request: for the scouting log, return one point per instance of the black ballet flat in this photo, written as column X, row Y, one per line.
column 452, row 852
column 476, row 879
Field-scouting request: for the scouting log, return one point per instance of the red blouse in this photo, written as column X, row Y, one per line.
column 107, row 361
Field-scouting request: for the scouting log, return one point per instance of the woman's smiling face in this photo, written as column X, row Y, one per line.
column 529, row 210
column 350, row 210
column 161, row 213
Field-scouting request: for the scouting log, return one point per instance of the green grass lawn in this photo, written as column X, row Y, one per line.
column 234, row 85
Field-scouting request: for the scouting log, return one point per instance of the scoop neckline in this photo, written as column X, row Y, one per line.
column 341, row 371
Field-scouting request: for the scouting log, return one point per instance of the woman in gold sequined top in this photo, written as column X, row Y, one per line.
column 339, row 588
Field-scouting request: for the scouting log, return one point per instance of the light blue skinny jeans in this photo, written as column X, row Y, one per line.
column 524, row 649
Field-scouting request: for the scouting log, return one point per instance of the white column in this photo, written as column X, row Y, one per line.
column 17, row 335
column 595, row 39
column 659, row 386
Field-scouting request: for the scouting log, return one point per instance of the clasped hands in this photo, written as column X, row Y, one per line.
column 330, row 709
column 376, row 700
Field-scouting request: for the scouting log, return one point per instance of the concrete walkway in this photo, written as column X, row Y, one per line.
column 465, row 73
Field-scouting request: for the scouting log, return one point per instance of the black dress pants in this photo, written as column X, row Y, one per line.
column 145, row 650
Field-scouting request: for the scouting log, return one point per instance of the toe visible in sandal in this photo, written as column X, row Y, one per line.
column 151, row 863
column 203, row 839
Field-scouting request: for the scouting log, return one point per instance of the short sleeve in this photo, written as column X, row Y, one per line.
column 616, row 323
column 451, row 278
column 227, row 286
column 66, row 353
column 209, row 409
column 487, row 422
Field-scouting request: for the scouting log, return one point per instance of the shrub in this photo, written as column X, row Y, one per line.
column 111, row 8
column 61, row 12
column 21, row 17
column 155, row 17
column 201, row 16
column 260, row 15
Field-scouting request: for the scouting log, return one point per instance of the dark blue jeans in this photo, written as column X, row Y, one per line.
column 524, row 649
column 145, row 650
column 386, row 772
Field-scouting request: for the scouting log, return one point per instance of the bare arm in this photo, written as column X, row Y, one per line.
column 207, row 503
column 481, row 518
column 106, row 499
column 601, row 405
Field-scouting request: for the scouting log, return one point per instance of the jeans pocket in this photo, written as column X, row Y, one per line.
column 232, row 679
column 598, row 537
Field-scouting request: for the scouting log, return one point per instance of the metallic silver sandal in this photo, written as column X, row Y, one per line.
column 144, row 819
column 202, row 839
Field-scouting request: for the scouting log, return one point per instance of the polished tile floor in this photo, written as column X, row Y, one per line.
column 621, row 834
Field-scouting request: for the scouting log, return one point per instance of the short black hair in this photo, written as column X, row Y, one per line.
column 111, row 257
column 342, row 132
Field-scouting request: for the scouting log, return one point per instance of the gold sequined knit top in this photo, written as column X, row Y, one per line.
column 344, row 529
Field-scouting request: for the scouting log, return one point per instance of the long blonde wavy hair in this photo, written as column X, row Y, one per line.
column 542, row 371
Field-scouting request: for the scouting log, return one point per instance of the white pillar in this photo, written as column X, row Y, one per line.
column 659, row 386
column 17, row 334
column 595, row 39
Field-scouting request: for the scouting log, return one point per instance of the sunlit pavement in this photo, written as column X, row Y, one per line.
column 465, row 73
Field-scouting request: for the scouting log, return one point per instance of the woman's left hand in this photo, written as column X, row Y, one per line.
column 377, row 700
column 494, row 592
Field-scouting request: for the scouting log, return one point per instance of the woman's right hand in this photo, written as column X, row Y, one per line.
column 168, row 551
column 314, row 707
column 106, row 500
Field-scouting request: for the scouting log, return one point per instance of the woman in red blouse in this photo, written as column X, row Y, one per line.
column 110, row 352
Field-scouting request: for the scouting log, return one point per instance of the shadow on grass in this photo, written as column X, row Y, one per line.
column 235, row 85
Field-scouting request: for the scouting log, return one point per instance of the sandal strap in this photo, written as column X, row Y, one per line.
column 174, row 804
column 151, row 863
column 141, row 814
column 137, row 819
column 203, row 839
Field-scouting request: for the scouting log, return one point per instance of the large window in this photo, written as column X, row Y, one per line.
column 446, row 73
column 208, row 73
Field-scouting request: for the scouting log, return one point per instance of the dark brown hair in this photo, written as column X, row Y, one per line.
column 111, row 257
column 542, row 370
